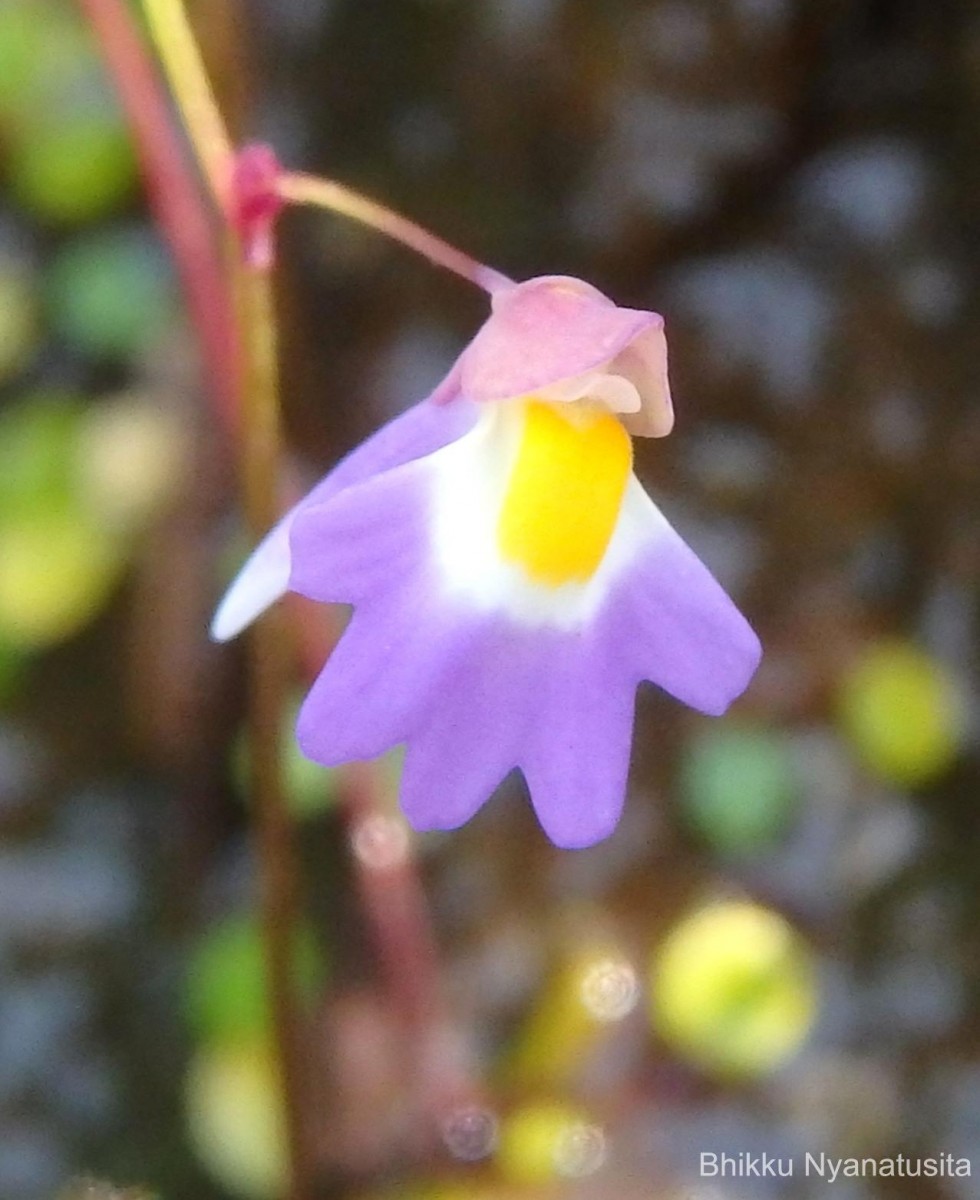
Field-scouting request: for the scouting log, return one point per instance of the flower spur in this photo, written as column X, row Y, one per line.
column 512, row 582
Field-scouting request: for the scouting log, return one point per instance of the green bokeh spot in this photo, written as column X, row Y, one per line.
column 110, row 292
column 44, row 52
column 76, row 167
column 902, row 710
column 738, row 787
column 733, row 988
column 310, row 788
column 226, row 997
column 12, row 665
column 38, row 447
column 19, row 326
column 58, row 566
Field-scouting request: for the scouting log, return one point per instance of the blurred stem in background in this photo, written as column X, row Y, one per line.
column 269, row 673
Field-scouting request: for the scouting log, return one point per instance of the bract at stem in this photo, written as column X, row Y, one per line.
column 254, row 204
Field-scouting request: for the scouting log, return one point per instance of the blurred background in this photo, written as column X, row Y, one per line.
column 778, row 950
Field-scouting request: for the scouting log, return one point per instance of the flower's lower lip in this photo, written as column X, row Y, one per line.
column 512, row 584
column 480, row 669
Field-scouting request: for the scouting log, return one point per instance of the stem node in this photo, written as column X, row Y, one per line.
column 255, row 202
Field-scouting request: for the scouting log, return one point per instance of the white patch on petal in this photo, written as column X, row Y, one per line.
column 470, row 479
column 262, row 581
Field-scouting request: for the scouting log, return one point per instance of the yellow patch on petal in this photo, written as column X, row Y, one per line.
column 564, row 492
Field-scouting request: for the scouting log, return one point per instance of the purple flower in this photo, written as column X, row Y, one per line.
column 512, row 581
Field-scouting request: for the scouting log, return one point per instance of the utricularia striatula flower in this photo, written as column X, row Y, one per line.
column 512, row 581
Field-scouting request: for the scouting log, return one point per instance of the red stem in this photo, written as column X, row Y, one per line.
column 174, row 197
column 246, row 404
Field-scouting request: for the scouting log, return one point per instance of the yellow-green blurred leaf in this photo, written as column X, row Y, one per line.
column 535, row 1140
column 902, row 711
column 235, row 1120
column 12, row 664
column 733, row 989
column 226, row 995
column 38, row 440
column 74, row 168
column 592, row 988
column 56, row 572
column 19, row 328
column 44, row 50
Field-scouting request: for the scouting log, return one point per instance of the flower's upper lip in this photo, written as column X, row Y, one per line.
column 545, row 330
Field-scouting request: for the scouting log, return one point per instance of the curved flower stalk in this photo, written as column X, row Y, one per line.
column 512, row 581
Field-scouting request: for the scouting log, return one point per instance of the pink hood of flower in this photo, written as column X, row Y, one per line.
column 555, row 330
